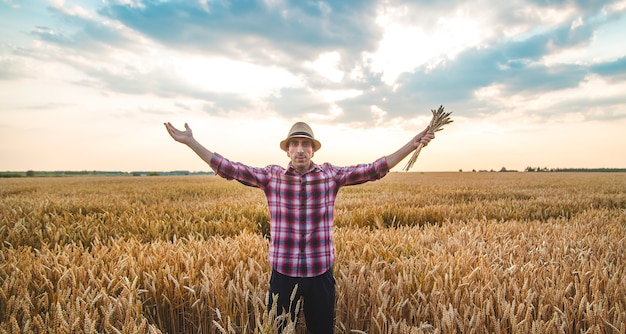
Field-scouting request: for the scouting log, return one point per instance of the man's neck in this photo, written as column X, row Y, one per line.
column 302, row 170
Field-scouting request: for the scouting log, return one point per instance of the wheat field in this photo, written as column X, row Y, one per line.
column 417, row 253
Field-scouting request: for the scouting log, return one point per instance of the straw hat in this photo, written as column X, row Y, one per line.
column 300, row 130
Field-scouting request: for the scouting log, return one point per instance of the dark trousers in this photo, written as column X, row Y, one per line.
column 318, row 294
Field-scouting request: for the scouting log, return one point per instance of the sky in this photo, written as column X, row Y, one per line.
column 87, row 85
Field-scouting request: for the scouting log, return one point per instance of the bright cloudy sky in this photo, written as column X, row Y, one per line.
column 87, row 85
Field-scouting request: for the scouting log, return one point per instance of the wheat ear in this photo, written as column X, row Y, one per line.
column 440, row 118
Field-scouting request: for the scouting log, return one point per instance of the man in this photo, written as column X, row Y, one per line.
column 301, row 201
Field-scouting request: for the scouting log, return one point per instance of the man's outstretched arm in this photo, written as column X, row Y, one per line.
column 186, row 137
column 423, row 137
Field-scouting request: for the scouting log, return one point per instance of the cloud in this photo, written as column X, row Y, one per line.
column 11, row 69
column 614, row 70
column 335, row 61
column 289, row 29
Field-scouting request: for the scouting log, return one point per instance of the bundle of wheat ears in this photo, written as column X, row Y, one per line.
column 440, row 118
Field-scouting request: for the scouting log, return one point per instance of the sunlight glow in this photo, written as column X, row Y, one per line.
column 404, row 48
column 327, row 65
column 338, row 95
column 227, row 76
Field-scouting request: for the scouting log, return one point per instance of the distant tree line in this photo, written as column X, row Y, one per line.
column 553, row 170
column 32, row 173
column 599, row 170
column 502, row 170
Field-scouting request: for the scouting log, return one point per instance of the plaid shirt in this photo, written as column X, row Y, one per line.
column 301, row 208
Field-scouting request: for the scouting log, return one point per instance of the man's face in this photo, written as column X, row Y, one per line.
column 300, row 150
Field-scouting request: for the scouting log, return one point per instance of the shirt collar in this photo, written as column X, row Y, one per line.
column 292, row 170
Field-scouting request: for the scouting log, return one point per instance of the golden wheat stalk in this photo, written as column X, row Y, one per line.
column 440, row 118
